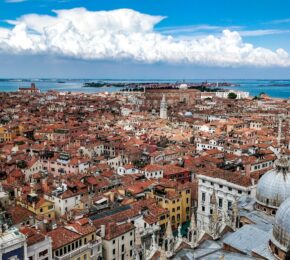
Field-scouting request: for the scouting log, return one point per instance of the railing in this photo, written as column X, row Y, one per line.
column 149, row 231
column 78, row 251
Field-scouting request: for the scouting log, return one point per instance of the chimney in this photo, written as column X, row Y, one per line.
column 253, row 181
column 248, row 170
column 19, row 192
column 44, row 185
column 103, row 231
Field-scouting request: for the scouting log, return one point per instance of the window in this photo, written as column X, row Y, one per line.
column 123, row 248
column 203, row 196
column 239, row 191
column 202, row 208
column 173, row 219
column 229, row 188
column 131, row 242
column 122, row 237
column 114, row 251
column 221, row 186
column 229, row 205
column 114, row 242
column 220, row 202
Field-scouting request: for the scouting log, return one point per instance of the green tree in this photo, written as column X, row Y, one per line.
column 232, row 95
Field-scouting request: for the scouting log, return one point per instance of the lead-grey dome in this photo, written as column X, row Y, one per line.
column 281, row 227
column 274, row 186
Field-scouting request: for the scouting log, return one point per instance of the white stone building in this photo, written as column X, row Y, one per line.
column 118, row 241
column 226, row 192
column 64, row 200
column 240, row 94
column 153, row 171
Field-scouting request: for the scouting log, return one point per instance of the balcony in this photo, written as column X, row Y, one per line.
column 79, row 250
column 149, row 230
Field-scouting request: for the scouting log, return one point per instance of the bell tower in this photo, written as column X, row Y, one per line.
column 163, row 108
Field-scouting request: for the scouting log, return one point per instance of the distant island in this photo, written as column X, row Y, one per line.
column 140, row 86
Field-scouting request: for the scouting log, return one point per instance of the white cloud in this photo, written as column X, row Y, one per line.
column 263, row 32
column 195, row 28
column 279, row 21
column 127, row 34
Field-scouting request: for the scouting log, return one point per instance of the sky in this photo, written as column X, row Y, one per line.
column 145, row 39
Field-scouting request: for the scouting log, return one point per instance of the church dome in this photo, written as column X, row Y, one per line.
column 188, row 114
column 281, row 227
column 274, row 186
column 183, row 86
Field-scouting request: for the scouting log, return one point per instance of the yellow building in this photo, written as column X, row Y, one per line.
column 76, row 241
column 39, row 206
column 7, row 135
column 174, row 197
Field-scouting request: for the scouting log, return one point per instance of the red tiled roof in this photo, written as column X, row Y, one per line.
column 32, row 236
column 113, row 230
column 62, row 236
column 19, row 214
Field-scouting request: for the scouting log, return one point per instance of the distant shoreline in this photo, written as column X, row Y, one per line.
column 135, row 86
column 273, row 88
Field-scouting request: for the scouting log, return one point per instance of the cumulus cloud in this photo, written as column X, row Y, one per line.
column 127, row 34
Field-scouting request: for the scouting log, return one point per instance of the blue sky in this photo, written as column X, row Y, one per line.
column 188, row 23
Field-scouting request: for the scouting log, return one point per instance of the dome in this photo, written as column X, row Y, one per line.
column 274, row 186
column 281, row 227
column 183, row 86
column 188, row 114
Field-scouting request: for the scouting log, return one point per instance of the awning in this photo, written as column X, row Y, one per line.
column 101, row 200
